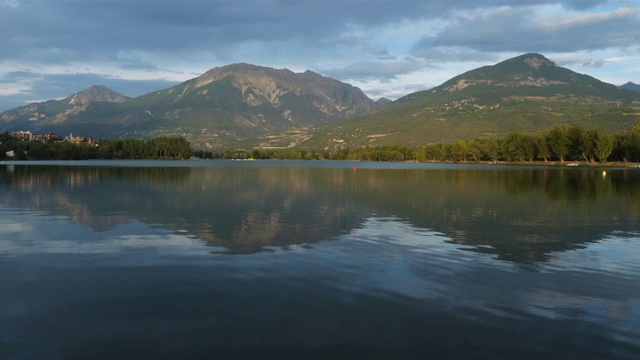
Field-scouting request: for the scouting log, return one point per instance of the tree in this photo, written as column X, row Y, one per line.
column 559, row 141
column 434, row 152
column 21, row 153
column 629, row 145
column 603, row 146
column 587, row 145
column 38, row 151
column 475, row 150
column 106, row 149
column 447, row 151
column 459, row 151
column 514, row 148
column 542, row 145
column 575, row 135
column 492, row 149
column 528, row 144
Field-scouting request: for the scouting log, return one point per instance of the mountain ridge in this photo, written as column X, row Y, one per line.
column 250, row 106
column 222, row 107
column 527, row 93
column 57, row 110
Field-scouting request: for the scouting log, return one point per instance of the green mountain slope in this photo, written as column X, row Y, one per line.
column 527, row 93
column 229, row 106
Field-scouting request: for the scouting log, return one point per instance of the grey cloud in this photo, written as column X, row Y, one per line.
column 592, row 64
column 134, row 34
column 446, row 54
column 515, row 29
column 97, row 29
column 371, row 70
column 573, row 61
column 383, row 54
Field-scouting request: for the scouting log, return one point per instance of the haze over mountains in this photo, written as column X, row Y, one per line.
column 246, row 106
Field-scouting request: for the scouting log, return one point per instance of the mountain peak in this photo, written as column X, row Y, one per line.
column 383, row 101
column 536, row 60
column 525, row 62
column 527, row 70
column 96, row 93
column 243, row 69
column 527, row 93
column 630, row 85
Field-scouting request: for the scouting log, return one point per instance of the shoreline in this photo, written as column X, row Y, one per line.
column 568, row 164
column 581, row 164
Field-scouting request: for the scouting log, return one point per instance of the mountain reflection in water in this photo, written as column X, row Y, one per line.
column 520, row 215
column 349, row 260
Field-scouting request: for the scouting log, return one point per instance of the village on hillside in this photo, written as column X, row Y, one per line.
column 48, row 138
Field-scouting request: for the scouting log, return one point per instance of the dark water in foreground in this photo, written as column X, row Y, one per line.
column 276, row 260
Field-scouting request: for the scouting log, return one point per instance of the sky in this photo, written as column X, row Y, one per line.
column 50, row 49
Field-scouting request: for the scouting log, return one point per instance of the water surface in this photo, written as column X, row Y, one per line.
column 314, row 259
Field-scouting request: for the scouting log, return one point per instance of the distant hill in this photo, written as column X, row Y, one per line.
column 630, row 86
column 226, row 107
column 32, row 116
column 527, row 93
column 383, row 101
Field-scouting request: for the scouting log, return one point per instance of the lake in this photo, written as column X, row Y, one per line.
column 317, row 260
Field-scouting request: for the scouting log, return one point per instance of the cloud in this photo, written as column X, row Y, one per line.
column 451, row 54
column 383, row 71
column 98, row 30
column 166, row 41
column 580, row 62
column 523, row 29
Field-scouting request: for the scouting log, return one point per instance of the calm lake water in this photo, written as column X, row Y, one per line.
column 274, row 260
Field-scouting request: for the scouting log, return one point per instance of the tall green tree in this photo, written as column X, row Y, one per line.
column 575, row 135
column 542, row 147
column 587, row 145
column 514, row 146
column 559, row 141
column 603, row 146
column 492, row 149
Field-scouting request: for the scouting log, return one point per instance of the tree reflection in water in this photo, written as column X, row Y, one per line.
column 517, row 214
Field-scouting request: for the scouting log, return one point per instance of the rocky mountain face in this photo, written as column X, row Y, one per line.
column 528, row 93
column 225, row 107
column 96, row 93
column 262, row 85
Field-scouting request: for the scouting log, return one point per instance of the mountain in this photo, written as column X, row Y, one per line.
column 630, row 86
column 56, row 111
column 226, row 107
column 246, row 106
column 383, row 101
column 527, row 93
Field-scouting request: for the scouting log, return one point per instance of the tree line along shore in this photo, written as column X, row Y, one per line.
column 160, row 148
column 562, row 143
